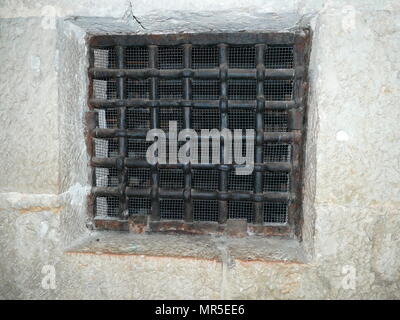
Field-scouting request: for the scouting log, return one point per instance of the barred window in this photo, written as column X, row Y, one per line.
column 214, row 81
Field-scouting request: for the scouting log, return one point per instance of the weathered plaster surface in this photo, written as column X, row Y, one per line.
column 352, row 166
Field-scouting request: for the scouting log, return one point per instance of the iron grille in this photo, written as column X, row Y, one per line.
column 202, row 81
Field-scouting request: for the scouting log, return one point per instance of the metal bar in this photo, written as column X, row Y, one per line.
column 245, row 104
column 122, row 172
column 155, row 201
column 259, row 139
column 192, row 73
column 223, row 107
column 187, row 95
column 238, row 38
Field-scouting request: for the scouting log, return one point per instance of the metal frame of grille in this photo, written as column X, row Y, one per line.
column 237, row 79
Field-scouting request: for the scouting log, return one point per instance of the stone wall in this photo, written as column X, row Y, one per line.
column 352, row 176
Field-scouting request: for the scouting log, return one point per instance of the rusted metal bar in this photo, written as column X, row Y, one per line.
column 223, row 108
column 190, row 73
column 245, row 104
column 259, row 139
column 187, row 95
column 155, row 201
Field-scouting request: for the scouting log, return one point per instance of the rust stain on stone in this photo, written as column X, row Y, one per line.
column 55, row 210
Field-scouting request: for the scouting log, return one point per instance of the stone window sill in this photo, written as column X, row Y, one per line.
column 213, row 248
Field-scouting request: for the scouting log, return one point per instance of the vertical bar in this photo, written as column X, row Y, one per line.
column 223, row 107
column 122, row 170
column 187, row 96
column 155, row 201
column 259, row 137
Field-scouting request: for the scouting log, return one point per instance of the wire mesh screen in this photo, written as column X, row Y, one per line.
column 105, row 89
column 276, row 181
column 136, row 57
column 171, row 209
column 107, row 206
column 170, row 114
column 108, row 118
column 205, row 89
column 276, row 121
column 106, row 147
column 205, row 179
column 240, row 182
column 139, row 177
column 205, row 57
column 241, row 210
column 242, row 57
column 105, row 58
column 203, row 118
column 139, row 206
column 138, row 118
column 106, row 177
column 278, row 90
column 170, row 57
column 205, row 210
column 241, row 119
column 137, row 89
column 197, row 85
column 279, row 57
column 171, row 178
column 275, row 212
column 277, row 152
column 170, row 89
column 242, row 89
column 137, row 148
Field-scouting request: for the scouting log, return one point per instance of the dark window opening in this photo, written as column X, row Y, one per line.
column 206, row 81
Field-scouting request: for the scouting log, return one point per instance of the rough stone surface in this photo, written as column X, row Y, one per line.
column 351, row 204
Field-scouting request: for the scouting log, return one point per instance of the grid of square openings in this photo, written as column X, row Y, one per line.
column 106, row 177
column 105, row 58
column 106, row 147
column 171, row 178
column 108, row 118
column 170, row 57
column 276, row 181
column 276, row 121
column 241, row 210
column 205, row 210
column 137, row 148
column 107, row 206
column 136, row 57
column 205, row 118
column 241, row 118
column 242, row 57
column 137, row 89
column 205, row 89
column 138, row 118
column 275, row 212
column 105, row 89
column 279, row 57
column 139, row 178
column 139, row 206
column 167, row 114
column 205, row 179
column 172, row 209
column 277, row 152
column 240, row 182
column 205, row 57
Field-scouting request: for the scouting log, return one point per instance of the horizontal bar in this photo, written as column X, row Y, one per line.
column 209, row 195
column 134, row 163
column 99, row 73
column 117, row 133
column 242, row 104
column 236, row 38
column 106, row 191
